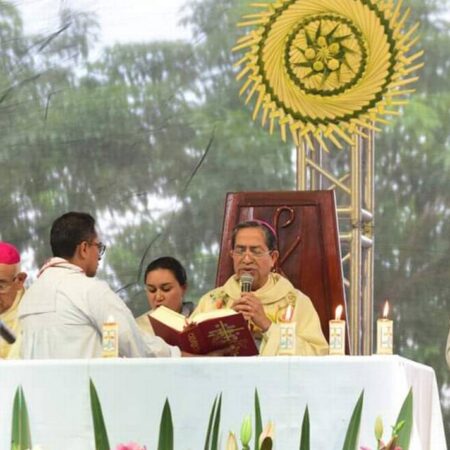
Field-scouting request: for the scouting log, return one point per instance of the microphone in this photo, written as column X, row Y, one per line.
column 7, row 334
column 246, row 282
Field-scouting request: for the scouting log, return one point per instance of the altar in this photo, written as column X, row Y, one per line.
column 133, row 391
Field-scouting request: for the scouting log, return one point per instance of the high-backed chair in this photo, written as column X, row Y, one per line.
column 308, row 241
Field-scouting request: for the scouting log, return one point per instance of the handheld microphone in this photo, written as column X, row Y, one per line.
column 246, row 282
column 7, row 334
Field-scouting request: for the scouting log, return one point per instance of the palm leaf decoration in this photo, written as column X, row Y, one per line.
column 100, row 433
column 165, row 441
column 323, row 70
column 405, row 422
column 305, row 437
column 258, row 421
column 20, row 433
column 212, row 434
column 352, row 435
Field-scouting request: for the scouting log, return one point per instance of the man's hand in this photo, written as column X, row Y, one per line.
column 252, row 309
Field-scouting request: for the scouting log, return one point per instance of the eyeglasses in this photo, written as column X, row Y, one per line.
column 101, row 247
column 256, row 252
column 6, row 285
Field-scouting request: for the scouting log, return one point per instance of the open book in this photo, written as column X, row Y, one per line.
column 208, row 331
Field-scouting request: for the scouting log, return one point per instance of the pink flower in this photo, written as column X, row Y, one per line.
column 130, row 446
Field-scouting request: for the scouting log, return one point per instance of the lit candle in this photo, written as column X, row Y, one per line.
column 287, row 332
column 337, row 333
column 385, row 329
column 110, row 338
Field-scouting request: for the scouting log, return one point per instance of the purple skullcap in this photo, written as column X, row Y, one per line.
column 267, row 225
column 8, row 254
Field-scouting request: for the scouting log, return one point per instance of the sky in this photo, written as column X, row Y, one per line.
column 120, row 20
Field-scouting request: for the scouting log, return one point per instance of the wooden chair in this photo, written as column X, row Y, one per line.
column 307, row 232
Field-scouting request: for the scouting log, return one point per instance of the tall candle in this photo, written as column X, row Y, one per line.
column 337, row 333
column 287, row 333
column 110, row 338
column 385, row 332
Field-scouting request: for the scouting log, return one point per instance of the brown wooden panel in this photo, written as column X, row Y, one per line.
column 308, row 241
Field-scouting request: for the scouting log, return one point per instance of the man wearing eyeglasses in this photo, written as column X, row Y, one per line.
column 272, row 298
column 11, row 292
column 63, row 312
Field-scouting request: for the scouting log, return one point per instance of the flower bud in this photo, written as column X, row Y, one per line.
column 378, row 428
column 231, row 442
column 267, row 432
column 246, row 431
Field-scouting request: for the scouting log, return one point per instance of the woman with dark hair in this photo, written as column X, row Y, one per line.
column 165, row 284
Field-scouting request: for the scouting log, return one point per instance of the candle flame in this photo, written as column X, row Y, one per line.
column 338, row 313
column 386, row 310
column 288, row 313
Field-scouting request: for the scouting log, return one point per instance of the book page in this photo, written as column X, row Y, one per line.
column 169, row 317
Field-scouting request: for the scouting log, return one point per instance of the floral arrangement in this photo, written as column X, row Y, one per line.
column 263, row 438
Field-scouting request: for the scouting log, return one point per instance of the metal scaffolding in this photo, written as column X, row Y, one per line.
column 350, row 173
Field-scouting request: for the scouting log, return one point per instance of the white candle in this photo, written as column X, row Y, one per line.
column 110, row 338
column 385, row 333
column 337, row 333
column 287, row 333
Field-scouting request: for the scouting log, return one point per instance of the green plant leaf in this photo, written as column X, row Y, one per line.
column 304, row 436
column 352, row 435
column 210, row 423
column 406, row 416
column 165, row 441
column 216, row 426
column 100, row 433
column 258, row 421
column 20, row 433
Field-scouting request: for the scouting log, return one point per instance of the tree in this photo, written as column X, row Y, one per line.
column 149, row 137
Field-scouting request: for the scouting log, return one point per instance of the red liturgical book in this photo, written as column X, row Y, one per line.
column 206, row 332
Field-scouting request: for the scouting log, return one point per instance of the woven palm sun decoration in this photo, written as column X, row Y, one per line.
column 327, row 69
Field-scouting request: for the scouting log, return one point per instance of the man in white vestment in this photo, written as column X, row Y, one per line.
column 63, row 312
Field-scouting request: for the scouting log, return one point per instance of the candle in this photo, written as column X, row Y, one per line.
column 287, row 332
column 337, row 333
column 384, row 332
column 110, row 338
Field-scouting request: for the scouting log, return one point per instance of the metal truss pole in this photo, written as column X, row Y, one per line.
column 350, row 173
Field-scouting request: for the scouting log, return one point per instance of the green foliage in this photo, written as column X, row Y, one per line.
column 165, row 441
column 100, row 433
column 352, row 435
column 258, row 420
column 212, row 434
column 20, row 432
column 404, row 424
column 305, row 433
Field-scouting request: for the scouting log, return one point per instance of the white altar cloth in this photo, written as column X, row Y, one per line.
column 133, row 391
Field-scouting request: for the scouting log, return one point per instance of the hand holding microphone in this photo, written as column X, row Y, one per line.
column 249, row 304
column 246, row 282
